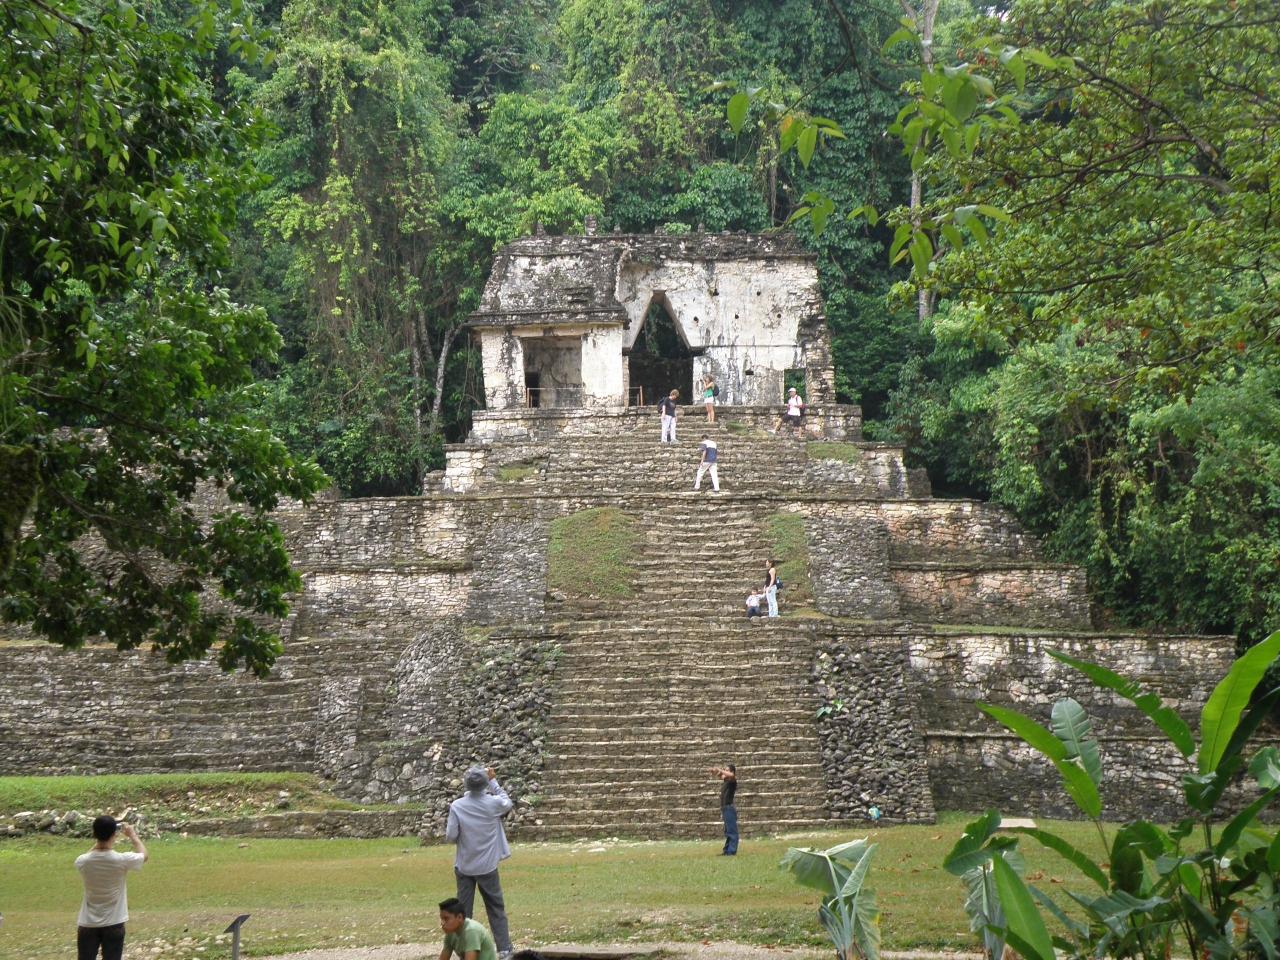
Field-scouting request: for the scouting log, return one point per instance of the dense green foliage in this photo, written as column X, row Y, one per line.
column 417, row 136
column 126, row 376
column 1107, row 364
column 1098, row 235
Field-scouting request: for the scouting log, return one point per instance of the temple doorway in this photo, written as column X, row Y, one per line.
column 660, row 360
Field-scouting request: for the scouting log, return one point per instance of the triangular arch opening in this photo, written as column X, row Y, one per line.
column 660, row 359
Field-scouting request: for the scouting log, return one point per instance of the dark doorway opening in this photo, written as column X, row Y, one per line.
column 793, row 378
column 660, row 360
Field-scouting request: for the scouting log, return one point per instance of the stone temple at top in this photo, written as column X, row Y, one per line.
column 621, row 319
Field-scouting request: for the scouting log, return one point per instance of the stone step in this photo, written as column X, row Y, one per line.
column 659, row 654
column 564, row 829
column 756, row 749
column 683, row 775
column 583, row 683
column 693, row 821
column 677, row 805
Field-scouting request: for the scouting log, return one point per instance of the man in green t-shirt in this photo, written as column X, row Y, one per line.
column 463, row 936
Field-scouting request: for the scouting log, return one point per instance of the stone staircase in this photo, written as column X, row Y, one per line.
column 655, row 689
column 634, row 460
column 643, row 711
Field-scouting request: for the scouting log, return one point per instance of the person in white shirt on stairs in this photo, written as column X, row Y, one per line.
column 708, row 462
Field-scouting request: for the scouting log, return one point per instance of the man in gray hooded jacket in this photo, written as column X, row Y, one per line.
column 475, row 825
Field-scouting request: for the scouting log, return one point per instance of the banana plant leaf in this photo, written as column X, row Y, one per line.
column 1221, row 713
column 1071, row 725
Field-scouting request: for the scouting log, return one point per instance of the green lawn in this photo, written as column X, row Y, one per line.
column 314, row 893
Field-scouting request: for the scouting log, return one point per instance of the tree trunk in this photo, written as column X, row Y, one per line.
column 433, row 425
column 415, row 368
column 924, row 16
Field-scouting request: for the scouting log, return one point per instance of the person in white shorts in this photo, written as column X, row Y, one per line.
column 708, row 462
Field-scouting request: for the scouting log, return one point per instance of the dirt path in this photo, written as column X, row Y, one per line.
column 667, row 951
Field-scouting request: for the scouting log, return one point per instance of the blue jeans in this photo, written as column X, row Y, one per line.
column 730, row 814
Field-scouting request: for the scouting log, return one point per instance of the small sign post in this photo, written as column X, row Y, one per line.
column 234, row 930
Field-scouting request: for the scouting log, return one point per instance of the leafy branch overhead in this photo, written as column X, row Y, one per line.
column 137, row 506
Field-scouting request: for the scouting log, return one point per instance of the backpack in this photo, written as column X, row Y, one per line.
column 777, row 584
column 715, row 390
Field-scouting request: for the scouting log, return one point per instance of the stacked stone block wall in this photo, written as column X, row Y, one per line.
column 975, row 764
column 849, row 566
column 873, row 751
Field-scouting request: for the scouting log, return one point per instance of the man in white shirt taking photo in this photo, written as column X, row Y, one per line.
column 105, row 908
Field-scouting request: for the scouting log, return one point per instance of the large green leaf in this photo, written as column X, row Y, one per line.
column 866, row 929
column 1115, row 909
column 1076, row 857
column 1071, row 725
column 853, row 883
column 1265, row 767
column 1127, row 870
column 737, row 110
column 1024, row 926
column 813, row 869
column 1221, row 713
column 1172, row 725
column 1231, row 832
column 850, row 851
column 1082, row 790
column 969, row 851
column 1203, row 791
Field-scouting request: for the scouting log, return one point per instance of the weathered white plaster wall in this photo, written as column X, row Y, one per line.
column 502, row 358
column 745, row 315
column 603, row 366
column 593, row 368
column 558, row 363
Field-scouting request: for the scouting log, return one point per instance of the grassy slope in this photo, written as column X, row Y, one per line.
column 590, row 553
column 329, row 892
column 791, row 550
column 229, row 793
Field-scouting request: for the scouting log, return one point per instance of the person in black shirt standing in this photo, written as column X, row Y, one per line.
column 667, row 407
column 729, row 813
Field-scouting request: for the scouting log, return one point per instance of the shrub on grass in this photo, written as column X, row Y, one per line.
column 791, row 550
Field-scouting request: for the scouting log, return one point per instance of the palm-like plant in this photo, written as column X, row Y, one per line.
column 848, row 910
column 1201, row 888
